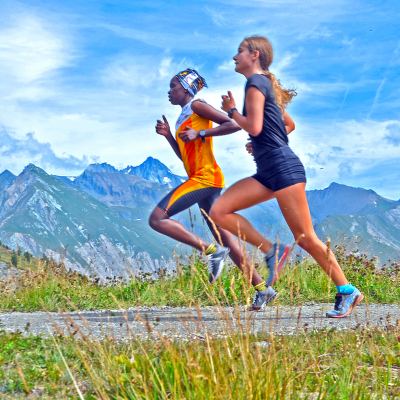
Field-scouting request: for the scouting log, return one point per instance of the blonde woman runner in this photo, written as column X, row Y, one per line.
column 280, row 174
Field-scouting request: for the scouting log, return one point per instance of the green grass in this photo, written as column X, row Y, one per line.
column 363, row 364
column 52, row 288
column 325, row 364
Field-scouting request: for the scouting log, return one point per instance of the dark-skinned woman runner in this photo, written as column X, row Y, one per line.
column 280, row 173
column 193, row 145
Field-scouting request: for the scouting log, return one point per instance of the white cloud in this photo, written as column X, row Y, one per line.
column 344, row 150
column 29, row 51
column 392, row 135
column 347, row 42
column 227, row 66
column 316, row 32
column 15, row 149
column 165, row 68
column 216, row 16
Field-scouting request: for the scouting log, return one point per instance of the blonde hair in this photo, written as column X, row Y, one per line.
column 261, row 44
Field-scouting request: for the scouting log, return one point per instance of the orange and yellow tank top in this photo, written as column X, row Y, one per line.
column 198, row 157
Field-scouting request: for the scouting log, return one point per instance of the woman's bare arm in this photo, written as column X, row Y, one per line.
column 289, row 123
column 226, row 125
column 163, row 129
column 255, row 100
column 254, row 120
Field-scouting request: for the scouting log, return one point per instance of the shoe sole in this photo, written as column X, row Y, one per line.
column 259, row 309
column 355, row 303
column 280, row 265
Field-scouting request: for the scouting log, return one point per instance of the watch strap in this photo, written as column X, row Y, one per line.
column 202, row 133
column 230, row 112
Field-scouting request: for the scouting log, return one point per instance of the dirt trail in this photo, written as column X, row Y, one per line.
column 185, row 323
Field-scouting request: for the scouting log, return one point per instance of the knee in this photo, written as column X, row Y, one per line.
column 307, row 243
column 216, row 214
column 155, row 221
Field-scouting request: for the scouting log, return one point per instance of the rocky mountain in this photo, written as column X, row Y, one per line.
column 342, row 199
column 341, row 212
column 154, row 170
column 333, row 209
column 132, row 192
column 377, row 234
column 151, row 170
column 42, row 214
column 98, row 220
column 6, row 179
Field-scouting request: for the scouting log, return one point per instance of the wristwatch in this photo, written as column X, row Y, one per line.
column 202, row 134
column 230, row 112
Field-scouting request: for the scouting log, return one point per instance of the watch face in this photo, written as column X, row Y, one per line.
column 202, row 132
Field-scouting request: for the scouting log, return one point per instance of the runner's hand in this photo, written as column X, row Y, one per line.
column 188, row 134
column 162, row 128
column 228, row 102
column 249, row 147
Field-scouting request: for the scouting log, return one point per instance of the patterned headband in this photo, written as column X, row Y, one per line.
column 191, row 81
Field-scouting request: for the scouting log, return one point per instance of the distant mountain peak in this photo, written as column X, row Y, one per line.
column 151, row 162
column 33, row 168
column 154, row 170
column 103, row 167
column 7, row 173
column 6, row 179
column 335, row 185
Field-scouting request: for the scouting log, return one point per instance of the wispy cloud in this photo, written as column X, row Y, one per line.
column 14, row 149
column 227, row 66
column 393, row 134
column 345, row 169
column 216, row 16
column 90, row 81
column 376, row 98
column 29, row 51
column 354, row 148
column 316, row 32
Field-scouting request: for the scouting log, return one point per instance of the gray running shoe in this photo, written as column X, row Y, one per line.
column 345, row 303
column 261, row 299
column 216, row 262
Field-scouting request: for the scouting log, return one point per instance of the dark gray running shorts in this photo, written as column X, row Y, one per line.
column 279, row 169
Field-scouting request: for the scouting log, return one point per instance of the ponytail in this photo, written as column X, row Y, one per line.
column 283, row 97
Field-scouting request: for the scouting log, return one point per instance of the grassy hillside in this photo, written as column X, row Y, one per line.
column 23, row 262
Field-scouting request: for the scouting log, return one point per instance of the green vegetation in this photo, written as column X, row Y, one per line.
column 328, row 364
column 23, row 262
column 49, row 286
column 325, row 364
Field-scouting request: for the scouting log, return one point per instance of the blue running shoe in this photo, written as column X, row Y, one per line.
column 275, row 263
column 261, row 299
column 344, row 304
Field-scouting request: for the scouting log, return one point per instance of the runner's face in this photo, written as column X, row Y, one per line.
column 176, row 92
column 243, row 59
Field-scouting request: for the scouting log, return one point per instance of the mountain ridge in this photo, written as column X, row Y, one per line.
column 41, row 214
column 128, row 199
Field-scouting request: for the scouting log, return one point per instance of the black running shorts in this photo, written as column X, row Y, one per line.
column 188, row 194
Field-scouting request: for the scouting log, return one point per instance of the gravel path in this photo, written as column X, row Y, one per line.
column 185, row 323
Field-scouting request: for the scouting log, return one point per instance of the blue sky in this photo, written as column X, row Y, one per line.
column 84, row 82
